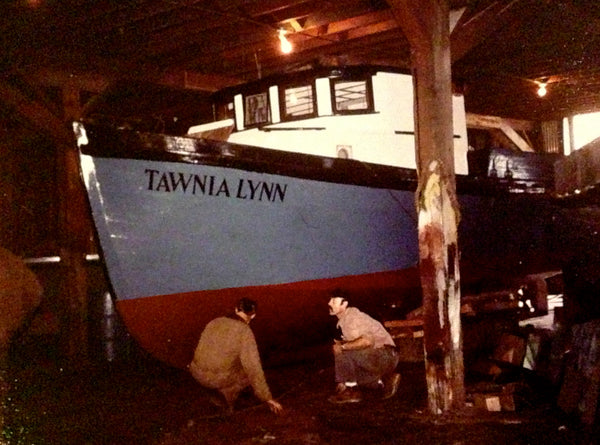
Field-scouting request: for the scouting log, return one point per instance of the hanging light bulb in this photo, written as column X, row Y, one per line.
column 541, row 89
column 286, row 46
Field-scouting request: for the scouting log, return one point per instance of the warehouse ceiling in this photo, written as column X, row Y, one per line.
column 501, row 50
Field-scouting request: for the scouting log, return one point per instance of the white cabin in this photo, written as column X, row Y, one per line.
column 363, row 115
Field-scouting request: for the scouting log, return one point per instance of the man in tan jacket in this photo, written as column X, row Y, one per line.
column 227, row 359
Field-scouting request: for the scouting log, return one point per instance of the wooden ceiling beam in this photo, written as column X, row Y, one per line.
column 196, row 81
column 247, row 22
column 254, row 36
column 88, row 81
column 97, row 83
column 359, row 21
column 199, row 47
column 264, row 7
column 589, row 15
column 344, row 31
column 192, row 39
column 103, row 20
column 325, row 52
column 472, row 29
column 36, row 115
column 413, row 26
column 504, row 125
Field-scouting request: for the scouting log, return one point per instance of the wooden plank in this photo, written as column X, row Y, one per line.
column 403, row 323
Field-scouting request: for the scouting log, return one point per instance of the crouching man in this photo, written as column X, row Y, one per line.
column 365, row 357
column 227, row 359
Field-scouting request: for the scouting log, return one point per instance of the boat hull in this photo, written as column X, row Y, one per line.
column 187, row 227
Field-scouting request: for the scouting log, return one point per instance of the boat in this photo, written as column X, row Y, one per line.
column 297, row 185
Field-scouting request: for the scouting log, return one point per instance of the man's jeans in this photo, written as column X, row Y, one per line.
column 365, row 366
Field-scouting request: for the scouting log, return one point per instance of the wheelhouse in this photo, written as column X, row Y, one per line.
column 365, row 114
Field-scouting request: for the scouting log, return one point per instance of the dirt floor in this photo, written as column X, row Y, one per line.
column 140, row 401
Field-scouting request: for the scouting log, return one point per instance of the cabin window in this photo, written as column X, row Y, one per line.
column 351, row 96
column 256, row 109
column 298, row 102
column 223, row 111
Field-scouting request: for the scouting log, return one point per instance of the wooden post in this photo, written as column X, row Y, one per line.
column 426, row 25
column 74, row 241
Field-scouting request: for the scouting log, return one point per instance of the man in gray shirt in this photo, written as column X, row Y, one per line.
column 366, row 355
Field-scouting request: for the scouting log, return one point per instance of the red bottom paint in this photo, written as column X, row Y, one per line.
column 290, row 316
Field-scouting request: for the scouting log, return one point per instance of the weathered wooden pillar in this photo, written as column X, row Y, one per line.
column 74, row 240
column 426, row 25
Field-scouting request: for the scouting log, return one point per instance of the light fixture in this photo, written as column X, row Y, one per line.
column 286, row 46
column 541, row 92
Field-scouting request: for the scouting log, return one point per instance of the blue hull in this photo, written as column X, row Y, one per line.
column 169, row 228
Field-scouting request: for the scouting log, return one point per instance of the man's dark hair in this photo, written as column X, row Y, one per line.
column 339, row 293
column 247, row 306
